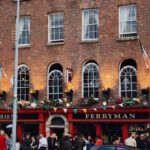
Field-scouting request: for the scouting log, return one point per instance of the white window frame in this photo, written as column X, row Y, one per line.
column 50, row 40
column 23, row 69
column 120, row 72
column 84, row 24
column 49, row 74
column 83, row 70
column 21, row 25
column 127, row 34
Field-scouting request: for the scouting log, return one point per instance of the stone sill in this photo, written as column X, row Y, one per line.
column 55, row 43
column 89, row 41
column 24, row 46
column 127, row 39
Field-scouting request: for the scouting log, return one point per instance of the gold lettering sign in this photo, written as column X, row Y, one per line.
column 111, row 116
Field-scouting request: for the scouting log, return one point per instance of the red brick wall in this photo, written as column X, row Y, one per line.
column 108, row 52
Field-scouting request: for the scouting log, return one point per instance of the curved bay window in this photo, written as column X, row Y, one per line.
column 90, row 80
column 23, row 83
column 55, row 82
column 128, row 79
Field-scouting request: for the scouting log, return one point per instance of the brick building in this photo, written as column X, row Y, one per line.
column 79, row 49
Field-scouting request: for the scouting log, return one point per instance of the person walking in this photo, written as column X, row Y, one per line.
column 80, row 143
column 131, row 142
column 66, row 143
column 34, row 143
column 26, row 142
column 2, row 140
column 52, row 142
column 42, row 142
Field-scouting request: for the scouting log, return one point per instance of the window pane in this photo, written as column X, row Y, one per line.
column 128, row 81
column 56, row 26
column 23, row 83
column 127, row 20
column 90, row 24
column 24, row 26
column 90, row 80
column 55, row 84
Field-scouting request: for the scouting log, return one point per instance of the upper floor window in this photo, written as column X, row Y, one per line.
column 128, row 79
column 90, row 80
column 90, row 24
column 55, row 82
column 23, row 83
column 24, row 32
column 56, row 27
column 127, row 21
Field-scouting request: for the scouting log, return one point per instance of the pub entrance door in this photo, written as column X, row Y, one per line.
column 86, row 129
column 109, row 130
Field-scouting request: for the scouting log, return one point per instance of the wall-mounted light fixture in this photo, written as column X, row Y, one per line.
column 145, row 95
column 34, row 94
column 69, row 91
column 68, row 75
column 106, row 93
column 3, row 96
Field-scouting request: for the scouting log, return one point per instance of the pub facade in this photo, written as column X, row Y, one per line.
column 81, row 68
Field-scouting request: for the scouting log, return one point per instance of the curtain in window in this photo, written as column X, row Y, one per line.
column 86, row 22
column 127, row 19
column 21, row 25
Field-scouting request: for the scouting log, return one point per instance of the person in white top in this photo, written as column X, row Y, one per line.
column 42, row 142
column 131, row 142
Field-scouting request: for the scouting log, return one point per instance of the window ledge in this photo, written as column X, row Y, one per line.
column 24, row 46
column 55, row 43
column 127, row 39
column 89, row 41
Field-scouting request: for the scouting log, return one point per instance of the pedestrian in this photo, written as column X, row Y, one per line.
column 115, row 140
column 2, row 140
column 80, row 143
column 42, row 142
column 98, row 141
column 66, row 143
column 90, row 143
column 52, row 142
column 130, row 141
column 8, row 142
column 26, row 142
column 17, row 144
column 34, row 143
column 143, row 142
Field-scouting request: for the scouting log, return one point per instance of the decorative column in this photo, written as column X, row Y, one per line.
column 19, row 132
column 70, row 124
column 42, row 124
column 125, row 131
column 98, row 129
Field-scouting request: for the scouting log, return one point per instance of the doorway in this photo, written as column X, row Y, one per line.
column 109, row 130
column 86, row 129
column 59, row 132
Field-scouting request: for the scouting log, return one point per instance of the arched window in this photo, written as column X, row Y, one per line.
column 23, row 82
column 55, row 82
column 128, row 79
column 90, row 80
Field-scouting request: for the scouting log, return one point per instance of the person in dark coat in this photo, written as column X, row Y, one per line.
column 66, row 143
column 52, row 142
column 26, row 142
column 80, row 143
